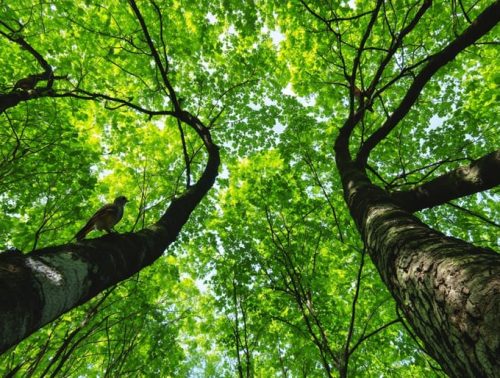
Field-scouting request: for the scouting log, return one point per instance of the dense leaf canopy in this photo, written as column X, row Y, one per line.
column 269, row 277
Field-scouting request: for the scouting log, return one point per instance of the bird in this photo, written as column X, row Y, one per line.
column 105, row 218
column 360, row 96
column 27, row 83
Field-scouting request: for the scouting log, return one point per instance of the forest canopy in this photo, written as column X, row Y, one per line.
column 312, row 188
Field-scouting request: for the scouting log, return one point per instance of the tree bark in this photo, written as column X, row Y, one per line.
column 11, row 99
column 38, row 287
column 448, row 290
column 480, row 175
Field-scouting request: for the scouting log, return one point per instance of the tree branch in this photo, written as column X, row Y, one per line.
column 481, row 25
column 481, row 174
column 373, row 333
column 86, row 95
column 474, row 214
column 15, row 37
column 38, row 287
column 156, row 55
column 396, row 44
column 347, row 352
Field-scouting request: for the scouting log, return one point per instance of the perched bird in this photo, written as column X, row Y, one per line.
column 360, row 96
column 27, row 83
column 105, row 218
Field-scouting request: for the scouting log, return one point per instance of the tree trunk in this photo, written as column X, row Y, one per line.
column 448, row 290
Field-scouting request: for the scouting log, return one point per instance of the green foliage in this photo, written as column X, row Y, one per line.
column 273, row 249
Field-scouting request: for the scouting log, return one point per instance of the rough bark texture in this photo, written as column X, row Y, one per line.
column 482, row 174
column 38, row 287
column 11, row 99
column 448, row 290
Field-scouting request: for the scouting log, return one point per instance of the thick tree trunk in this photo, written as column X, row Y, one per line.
column 448, row 290
column 38, row 287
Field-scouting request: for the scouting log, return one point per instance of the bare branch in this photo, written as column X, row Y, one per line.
column 156, row 56
column 482, row 25
column 347, row 351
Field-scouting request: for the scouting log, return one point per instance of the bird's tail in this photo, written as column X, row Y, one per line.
column 80, row 235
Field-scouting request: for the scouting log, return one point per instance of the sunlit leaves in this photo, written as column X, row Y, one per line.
column 270, row 77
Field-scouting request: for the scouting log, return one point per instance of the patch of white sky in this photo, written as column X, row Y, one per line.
column 436, row 121
column 211, row 18
column 201, row 283
column 224, row 37
column 276, row 35
column 306, row 101
column 206, row 66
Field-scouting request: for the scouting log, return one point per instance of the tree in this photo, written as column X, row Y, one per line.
column 39, row 287
column 397, row 88
column 436, row 280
